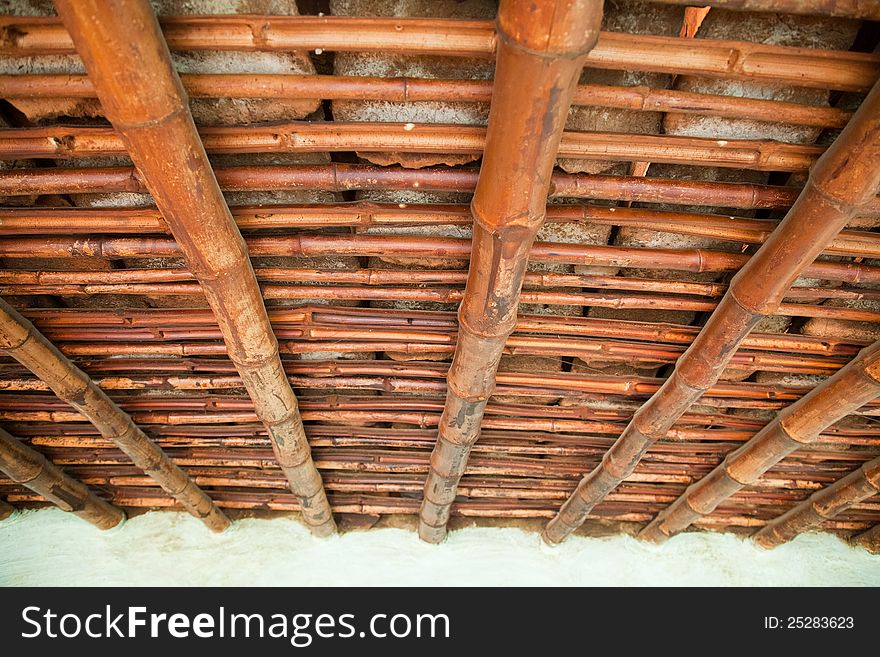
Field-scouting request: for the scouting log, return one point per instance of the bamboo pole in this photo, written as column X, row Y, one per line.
column 822, row 505
column 798, row 425
column 845, row 178
column 542, row 49
column 6, row 510
column 318, row 244
column 844, row 8
column 870, row 540
column 148, row 107
column 63, row 142
column 808, row 67
column 19, row 339
column 365, row 214
column 28, row 467
column 336, row 177
column 411, row 90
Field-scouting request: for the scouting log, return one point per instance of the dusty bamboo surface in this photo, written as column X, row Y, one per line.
column 798, row 425
column 149, row 109
column 76, row 141
column 28, row 467
column 19, row 339
column 844, row 8
column 849, row 71
column 870, row 540
column 410, row 90
column 845, row 178
column 337, row 177
column 541, row 48
column 822, row 505
column 317, row 244
column 362, row 214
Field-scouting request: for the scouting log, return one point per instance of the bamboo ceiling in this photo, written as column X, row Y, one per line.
column 347, row 138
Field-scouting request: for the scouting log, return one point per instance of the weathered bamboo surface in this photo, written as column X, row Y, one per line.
column 870, row 540
column 413, row 90
column 798, row 425
column 28, row 467
column 6, row 510
column 26, row 36
column 822, row 505
column 843, row 179
column 149, row 109
column 19, row 339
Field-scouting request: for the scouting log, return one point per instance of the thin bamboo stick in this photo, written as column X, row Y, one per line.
column 822, row 505
column 364, row 214
column 57, row 141
column 845, row 8
column 842, row 180
column 541, row 48
column 19, row 339
column 337, row 177
column 800, row 424
column 306, row 245
column 142, row 97
column 28, row 467
column 849, row 71
column 411, row 90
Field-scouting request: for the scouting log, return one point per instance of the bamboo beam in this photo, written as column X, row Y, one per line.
column 822, row 505
column 365, row 214
column 22, row 36
column 865, row 9
column 335, row 177
column 541, row 48
column 128, row 61
column 870, row 540
column 329, row 137
column 6, row 510
column 28, row 467
column 19, row 339
column 411, row 90
column 318, row 244
column 798, row 425
column 845, row 178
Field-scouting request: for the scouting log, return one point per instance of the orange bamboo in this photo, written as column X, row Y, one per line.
column 410, row 90
column 850, row 71
column 129, row 63
column 845, row 178
column 46, row 221
column 336, row 177
column 798, row 425
column 306, row 245
column 306, row 137
column 541, row 48
column 19, row 339
column 822, row 505
column 28, row 467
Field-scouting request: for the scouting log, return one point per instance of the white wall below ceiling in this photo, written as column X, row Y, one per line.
column 51, row 547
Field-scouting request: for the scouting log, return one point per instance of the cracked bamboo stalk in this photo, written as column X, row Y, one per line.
column 798, row 425
column 845, row 178
column 541, row 48
column 26, row 466
column 22, row 36
column 128, row 61
column 21, row 340
column 821, row 506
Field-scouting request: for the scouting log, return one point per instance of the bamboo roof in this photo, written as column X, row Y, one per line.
column 347, row 136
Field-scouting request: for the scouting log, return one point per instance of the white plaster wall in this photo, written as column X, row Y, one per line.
column 51, row 547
